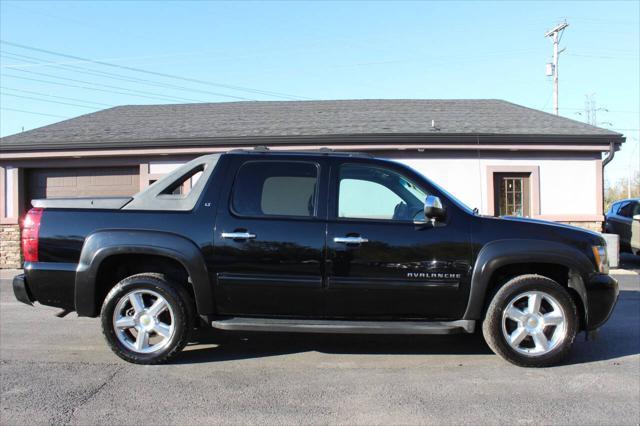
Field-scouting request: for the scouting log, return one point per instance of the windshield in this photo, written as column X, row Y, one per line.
column 446, row 193
column 419, row 194
column 450, row 196
column 455, row 200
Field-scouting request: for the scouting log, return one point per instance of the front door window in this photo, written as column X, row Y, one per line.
column 378, row 194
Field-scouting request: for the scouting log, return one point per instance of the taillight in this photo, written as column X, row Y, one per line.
column 30, row 231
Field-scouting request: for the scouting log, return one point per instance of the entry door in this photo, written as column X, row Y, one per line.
column 384, row 261
column 269, row 240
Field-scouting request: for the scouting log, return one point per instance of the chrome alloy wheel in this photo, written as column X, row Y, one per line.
column 534, row 323
column 143, row 321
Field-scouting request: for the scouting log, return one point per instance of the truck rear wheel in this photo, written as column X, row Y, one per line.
column 146, row 319
column 531, row 321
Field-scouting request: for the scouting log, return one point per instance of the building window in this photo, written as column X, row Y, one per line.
column 512, row 196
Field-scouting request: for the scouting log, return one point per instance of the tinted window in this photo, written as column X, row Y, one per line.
column 626, row 210
column 630, row 209
column 275, row 188
column 374, row 193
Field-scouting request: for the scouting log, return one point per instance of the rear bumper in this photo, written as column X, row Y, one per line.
column 51, row 284
column 602, row 295
column 21, row 290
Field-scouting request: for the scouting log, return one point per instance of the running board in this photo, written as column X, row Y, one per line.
column 346, row 327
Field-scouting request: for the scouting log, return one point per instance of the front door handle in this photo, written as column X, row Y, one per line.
column 350, row 240
column 238, row 235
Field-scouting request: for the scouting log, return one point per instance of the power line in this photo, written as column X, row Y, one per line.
column 158, row 74
column 95, row 89
column 31, row 112
column 142, row 92
column 116, row 59
column 114, row 76
column 48, row 100
column 175, row 98
column 54, row 96
column 625, row 58
column 603, row 21
column 608, row 110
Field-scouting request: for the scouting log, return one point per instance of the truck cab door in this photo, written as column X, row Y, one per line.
column 269, row 238
column 623, row 223
column 383, row 259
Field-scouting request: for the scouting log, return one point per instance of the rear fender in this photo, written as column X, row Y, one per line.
column 105, row 243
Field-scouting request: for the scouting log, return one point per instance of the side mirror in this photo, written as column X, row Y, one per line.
column 433, row 208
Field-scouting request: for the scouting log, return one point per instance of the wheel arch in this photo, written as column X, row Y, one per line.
column 501, row 260
column 104, row 248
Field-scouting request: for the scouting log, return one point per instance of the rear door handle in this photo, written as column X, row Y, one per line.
column 238, row 235
column 350, row 240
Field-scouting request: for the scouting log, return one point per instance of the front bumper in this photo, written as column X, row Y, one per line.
column 21, row 290
column 602, row 295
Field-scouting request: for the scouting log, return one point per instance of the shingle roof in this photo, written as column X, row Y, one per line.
column 217, row 123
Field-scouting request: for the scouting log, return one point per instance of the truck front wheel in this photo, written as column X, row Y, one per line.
column 531, row 322
column 146, row 319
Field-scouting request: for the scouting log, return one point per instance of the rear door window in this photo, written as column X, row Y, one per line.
column 276, row 188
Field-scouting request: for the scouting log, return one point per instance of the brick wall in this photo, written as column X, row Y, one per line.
column 10, row 256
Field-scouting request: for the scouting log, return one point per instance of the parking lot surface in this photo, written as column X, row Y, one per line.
column 60, row 371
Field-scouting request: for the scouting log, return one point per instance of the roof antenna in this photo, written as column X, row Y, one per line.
column 261, row 148
column 433, row 125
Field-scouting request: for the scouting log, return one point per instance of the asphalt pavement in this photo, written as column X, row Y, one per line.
column 60, row 371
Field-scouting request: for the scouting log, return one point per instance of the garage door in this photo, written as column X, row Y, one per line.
column 82, row 182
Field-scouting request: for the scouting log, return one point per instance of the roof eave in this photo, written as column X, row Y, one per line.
column 404, row 138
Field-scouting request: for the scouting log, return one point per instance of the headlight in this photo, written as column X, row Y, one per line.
column 602, row 262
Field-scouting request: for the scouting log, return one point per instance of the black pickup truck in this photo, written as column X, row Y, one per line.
column 318, row 242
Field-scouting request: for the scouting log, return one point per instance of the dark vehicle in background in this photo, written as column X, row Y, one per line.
column 318, row 242
column 623, row 218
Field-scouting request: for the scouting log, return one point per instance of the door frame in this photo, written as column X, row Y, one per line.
column 283, row 283
column 525, row 178
column 534, row 186
column 371, row 288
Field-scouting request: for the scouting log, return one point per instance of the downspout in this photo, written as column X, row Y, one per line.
column 607, row 160
column 609, row 157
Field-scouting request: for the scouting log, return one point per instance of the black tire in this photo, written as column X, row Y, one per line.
column 176, row 296
column 492, row 323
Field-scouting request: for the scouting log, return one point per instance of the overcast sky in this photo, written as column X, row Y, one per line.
column 318, row 50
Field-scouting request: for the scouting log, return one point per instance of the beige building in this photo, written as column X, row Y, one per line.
column 502, row 158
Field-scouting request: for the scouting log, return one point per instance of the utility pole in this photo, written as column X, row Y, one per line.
column 556, row 35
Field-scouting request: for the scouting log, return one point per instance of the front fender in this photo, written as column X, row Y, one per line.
column 499, row 253
column 102, row 244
